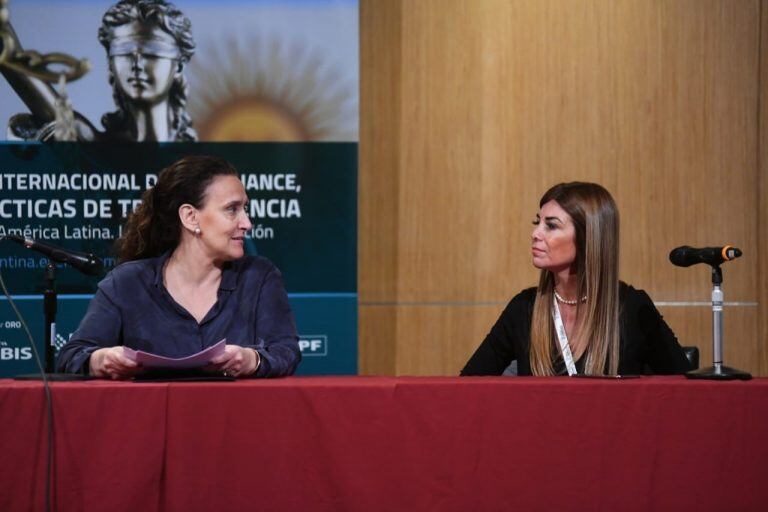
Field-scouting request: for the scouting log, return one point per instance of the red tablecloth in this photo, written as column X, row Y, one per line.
column 370, row 443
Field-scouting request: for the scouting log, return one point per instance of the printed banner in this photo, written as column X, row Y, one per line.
column 247, row 70
column 269, row 85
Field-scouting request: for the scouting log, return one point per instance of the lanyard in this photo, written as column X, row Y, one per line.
column 563, row 338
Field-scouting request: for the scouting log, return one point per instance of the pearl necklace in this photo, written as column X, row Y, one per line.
column 569, row 302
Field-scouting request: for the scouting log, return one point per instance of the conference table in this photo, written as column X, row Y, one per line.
column 388, row 443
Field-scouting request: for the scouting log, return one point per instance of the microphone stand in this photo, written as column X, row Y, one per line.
column 49, row 308
column 718, row 370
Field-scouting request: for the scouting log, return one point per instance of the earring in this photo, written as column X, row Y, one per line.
column 197, row 230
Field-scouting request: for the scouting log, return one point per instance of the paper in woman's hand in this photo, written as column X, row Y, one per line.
column 198, row 360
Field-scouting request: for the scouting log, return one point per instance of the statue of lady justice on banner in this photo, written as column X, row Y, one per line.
column 148, row 44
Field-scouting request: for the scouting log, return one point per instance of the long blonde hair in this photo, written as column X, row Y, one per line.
column 596, row 222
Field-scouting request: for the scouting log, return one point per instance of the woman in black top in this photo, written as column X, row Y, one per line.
column 580, row 318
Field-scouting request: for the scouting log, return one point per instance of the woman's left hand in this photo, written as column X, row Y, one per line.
column 236, row 361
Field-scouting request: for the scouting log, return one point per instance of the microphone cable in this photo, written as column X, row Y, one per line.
column 49, row 466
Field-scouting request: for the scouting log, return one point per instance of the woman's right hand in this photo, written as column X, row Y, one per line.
column 111, row 363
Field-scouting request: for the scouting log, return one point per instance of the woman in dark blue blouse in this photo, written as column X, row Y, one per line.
column 184, row 283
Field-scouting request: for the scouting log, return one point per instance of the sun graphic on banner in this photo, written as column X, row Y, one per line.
column 263, row 91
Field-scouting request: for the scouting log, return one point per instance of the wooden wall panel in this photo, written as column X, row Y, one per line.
column 378, row 335
column 762, row 188
column 378, row 215
column 441, row 153
column 379, row 177
column 494, row 101
column 438, row 339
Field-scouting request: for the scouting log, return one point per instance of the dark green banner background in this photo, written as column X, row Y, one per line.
column 304, row 213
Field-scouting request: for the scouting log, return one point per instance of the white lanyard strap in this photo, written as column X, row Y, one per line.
column 563, row 338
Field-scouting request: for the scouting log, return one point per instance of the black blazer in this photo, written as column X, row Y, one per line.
column 645, row 339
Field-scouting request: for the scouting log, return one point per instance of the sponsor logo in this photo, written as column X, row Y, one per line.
column 60, row 341
column 15, row 353
column 313, row 345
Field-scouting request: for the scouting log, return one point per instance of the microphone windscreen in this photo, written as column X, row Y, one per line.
column 679, row 257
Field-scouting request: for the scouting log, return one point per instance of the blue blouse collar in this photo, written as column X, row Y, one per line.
column 228, row 272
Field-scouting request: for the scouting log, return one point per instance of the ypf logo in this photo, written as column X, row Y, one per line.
column 313, row 345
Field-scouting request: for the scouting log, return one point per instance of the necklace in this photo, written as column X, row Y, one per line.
column 569, row 302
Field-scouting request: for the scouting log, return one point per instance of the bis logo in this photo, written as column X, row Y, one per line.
column 15, row 353
column 313, row 345
column 9, row 353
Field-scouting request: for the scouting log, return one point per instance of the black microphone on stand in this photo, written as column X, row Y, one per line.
column 686, row 256
column 84, row 262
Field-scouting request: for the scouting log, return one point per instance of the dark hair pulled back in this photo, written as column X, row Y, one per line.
column 155, row 227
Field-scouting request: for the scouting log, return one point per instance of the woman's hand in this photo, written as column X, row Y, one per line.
column 110, row 363
column 236, row 361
